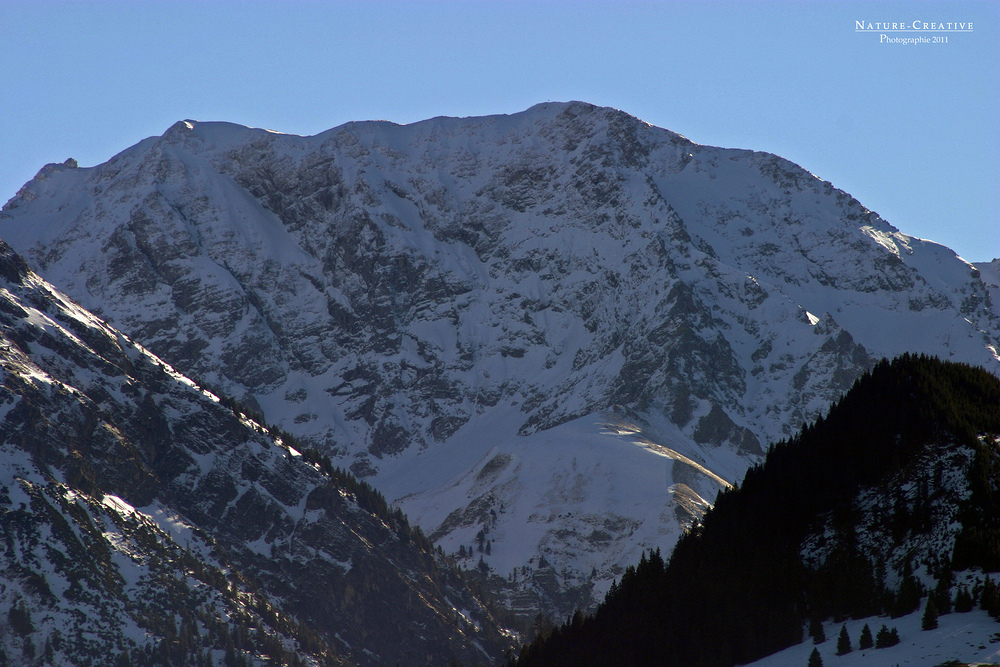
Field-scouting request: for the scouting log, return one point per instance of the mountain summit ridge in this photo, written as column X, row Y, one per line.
column 449, row 307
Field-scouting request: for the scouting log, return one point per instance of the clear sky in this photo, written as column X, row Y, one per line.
column 911, row 130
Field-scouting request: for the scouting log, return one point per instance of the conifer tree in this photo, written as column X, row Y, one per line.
column 990, row 599
column 886, row 637
column 843, row 641
column 816, row 631
column 28, row 649
column 866, row 640
column 20, row 619
column 943, row 592
column 930, row 617
column 963, row 600
column 907, row 598
column 815, row 660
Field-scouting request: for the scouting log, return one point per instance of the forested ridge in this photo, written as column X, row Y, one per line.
column 736, row 588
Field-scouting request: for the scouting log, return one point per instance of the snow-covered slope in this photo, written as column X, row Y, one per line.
column 990, row 275
column 960, row 639
column 564, row 329
column 145, row 521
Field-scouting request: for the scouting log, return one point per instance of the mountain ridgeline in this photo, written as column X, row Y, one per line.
column 897, row 484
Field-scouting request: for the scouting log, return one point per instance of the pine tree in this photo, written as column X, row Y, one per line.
column 990, row 599
column 816, row 631
column 843, row 641
column 943, row 591
column 20, row 619
column 886, row 637
column 815, row 660
column 28, row 649
column 866, row 640
column 907, row 598
column 963, row 600
column 930, row 618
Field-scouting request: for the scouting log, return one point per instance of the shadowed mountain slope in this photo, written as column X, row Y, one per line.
column 145, row 520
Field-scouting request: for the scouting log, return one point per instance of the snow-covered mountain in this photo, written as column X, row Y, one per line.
column 550, row 337
column 146, row 522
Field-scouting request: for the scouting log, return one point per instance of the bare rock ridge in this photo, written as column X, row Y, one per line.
column 549, row 338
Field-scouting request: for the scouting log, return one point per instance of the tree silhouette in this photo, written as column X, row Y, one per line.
column 843, row 641
column 930, row 617
column 866, row 641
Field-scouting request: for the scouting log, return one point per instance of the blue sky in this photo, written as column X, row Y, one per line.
column 912, row 131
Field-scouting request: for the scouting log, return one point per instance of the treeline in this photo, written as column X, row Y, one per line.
column 735, row 588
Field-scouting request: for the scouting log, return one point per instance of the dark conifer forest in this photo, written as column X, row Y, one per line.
column 736, row 589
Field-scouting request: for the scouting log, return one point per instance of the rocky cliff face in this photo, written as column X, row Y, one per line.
column 131, row 497
column 554, row 334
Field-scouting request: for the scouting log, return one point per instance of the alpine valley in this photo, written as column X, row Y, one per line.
column 549, row 339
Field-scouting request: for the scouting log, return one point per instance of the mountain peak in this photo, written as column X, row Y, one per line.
column 555, row 108
column 215, row 135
